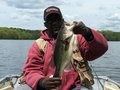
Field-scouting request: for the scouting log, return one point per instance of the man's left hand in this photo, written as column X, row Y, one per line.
column 80, row 28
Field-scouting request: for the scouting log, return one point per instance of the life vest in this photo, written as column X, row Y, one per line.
column 41, row 44
column 82, row 67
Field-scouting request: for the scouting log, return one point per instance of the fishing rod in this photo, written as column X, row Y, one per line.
column 96, row 75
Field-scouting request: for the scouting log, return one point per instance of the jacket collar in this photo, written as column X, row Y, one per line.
column 46, row 35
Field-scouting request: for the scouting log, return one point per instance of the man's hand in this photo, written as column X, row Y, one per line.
column 80, row 28
column 50, row 83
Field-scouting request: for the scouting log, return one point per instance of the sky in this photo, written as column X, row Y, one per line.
column 28, row 14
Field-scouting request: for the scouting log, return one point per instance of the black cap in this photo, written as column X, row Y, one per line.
column 52, row 10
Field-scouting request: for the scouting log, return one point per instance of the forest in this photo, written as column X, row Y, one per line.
column 18, row 33
column 25, row 34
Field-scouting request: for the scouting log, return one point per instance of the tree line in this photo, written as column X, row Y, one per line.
column 25, row 34
column 110, row 35
column 18, row 33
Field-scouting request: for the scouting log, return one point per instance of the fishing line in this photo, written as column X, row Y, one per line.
column 96, row 75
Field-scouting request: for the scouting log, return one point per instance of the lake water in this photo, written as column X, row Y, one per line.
column 13, row 55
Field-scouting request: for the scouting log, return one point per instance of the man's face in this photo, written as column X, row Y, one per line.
column 53, row 23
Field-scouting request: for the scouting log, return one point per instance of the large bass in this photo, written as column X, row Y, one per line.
column 67, row 52
column 63, row 48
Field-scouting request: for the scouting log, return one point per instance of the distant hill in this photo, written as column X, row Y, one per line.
column 23, row 34
column 18, row 33
column 110, row 35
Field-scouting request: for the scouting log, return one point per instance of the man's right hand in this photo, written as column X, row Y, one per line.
column 50, row 83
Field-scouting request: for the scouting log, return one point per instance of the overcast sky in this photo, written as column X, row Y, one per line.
column 28, row 14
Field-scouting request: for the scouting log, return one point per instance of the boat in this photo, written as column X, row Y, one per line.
column 11, row 82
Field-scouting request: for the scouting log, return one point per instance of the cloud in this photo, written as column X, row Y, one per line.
column 115, row 17
column 31, row 4
column 102, row 8
column 112, row 22
column 33, row 13
column 93, row 14
column 23, row 18
column 24, row 4
column 118, row 7
column 29, row 9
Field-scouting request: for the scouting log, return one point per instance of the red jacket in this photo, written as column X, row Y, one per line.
column 38, row 65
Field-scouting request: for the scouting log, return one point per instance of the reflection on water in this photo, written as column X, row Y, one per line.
column 13, row 55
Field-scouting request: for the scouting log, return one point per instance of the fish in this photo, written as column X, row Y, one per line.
column 66, row 52
column 63, row 48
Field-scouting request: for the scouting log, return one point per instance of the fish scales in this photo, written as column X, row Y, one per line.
column 63, row 48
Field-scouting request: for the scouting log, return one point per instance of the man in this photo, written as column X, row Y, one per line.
column 38, row 68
